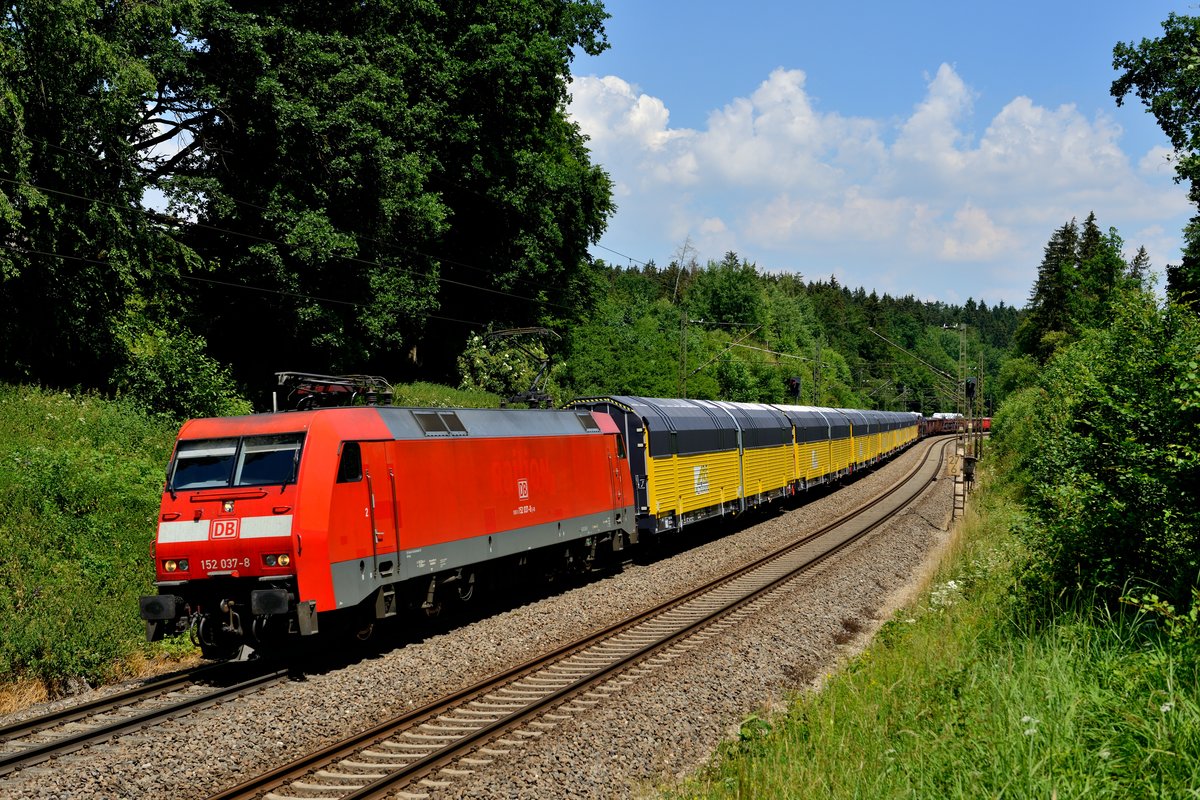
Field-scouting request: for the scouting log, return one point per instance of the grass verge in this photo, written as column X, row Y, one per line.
column 977, row 692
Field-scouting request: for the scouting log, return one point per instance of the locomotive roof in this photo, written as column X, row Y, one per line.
column 378, row 422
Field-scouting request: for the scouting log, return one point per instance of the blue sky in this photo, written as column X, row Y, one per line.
column 926, row 148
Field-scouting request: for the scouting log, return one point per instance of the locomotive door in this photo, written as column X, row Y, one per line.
column 383, row 511
column 363, row 515
column 615, row 477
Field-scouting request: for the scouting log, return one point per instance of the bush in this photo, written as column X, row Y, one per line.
column 168, row 370
column 1112, row 463
column 503, row 367
column 79, row 482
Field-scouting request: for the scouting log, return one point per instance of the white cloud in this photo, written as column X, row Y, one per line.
column 787, row 184
column 1158, row 161
column 931, row 136
column 972, row 236
column 611, row 110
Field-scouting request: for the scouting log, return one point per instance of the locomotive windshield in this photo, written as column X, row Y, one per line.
column 249, row 461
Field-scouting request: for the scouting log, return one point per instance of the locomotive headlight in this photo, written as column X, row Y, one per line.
column 277, row 560
column 271, row 560
column 183, row 565
column 284, row 560
column 170, row 565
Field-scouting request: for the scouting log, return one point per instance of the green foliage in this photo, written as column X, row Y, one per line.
column 168, row 370
column 629, row 345
column 503, row 367
column 1181, row 628
column 338, row 178
column 728, row 292
column 1163, row 74
column 1111, row 468
column 80, row 481
column 76, row 78
column 387, row 161
column 1015, row 374
column 638, row 341
column 431, row 395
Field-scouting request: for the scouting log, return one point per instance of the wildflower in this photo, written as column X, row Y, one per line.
column 1032, row 723
column 1167, row 706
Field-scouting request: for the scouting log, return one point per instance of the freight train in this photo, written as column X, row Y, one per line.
column 336, row 516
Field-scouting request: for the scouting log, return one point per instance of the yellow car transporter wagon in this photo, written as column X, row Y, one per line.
column 695, row 459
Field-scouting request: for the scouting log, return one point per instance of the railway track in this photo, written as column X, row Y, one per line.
column 37, row 739
column 429, row 748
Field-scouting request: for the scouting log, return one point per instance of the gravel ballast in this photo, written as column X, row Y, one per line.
column 654, row 731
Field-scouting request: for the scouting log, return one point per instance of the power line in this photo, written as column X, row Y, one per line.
column 243, row 286
column 357, row 236
column 160, row 217
column 622, row 255
column 772, row 352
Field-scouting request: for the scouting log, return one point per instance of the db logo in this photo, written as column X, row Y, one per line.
column 523, row 489
column 224, row 529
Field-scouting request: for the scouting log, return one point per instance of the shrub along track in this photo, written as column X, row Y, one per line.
column 430, row 748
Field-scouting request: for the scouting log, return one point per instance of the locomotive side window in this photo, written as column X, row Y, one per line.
column 204, row 464
column 350, row 465
column 269, row 460
column 587, row 421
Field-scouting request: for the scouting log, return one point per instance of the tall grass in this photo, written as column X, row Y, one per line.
column 80, row 480
column 975, row 693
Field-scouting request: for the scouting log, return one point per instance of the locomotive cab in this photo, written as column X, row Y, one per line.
column 224, row 554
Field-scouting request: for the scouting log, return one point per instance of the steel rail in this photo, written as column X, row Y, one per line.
column 35, row 753
column 155, row 686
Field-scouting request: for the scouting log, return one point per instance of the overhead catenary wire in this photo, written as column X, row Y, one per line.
column 396, row 246
column 165, row 218
column 243, row 286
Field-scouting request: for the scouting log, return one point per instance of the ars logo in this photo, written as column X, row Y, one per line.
column 224, row 529
column 523, row 489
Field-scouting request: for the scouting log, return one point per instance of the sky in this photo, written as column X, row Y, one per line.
column 927, row 147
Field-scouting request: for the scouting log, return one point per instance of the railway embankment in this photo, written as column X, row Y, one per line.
column 80, row 479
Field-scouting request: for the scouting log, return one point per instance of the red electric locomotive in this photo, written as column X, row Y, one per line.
column 270, row 523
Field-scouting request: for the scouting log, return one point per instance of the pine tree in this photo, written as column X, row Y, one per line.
column 1049, row 319
column 1138, row 272
column 1183, row 280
